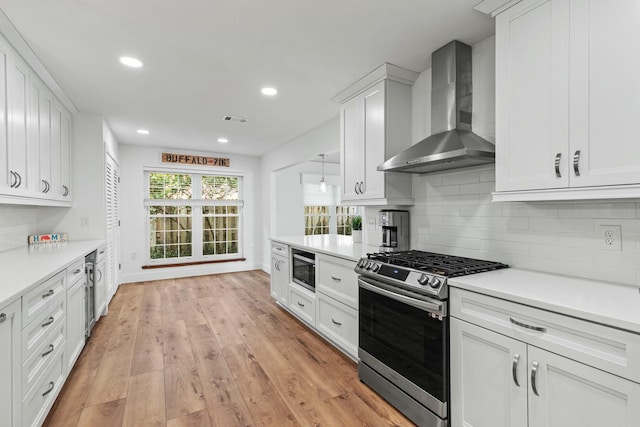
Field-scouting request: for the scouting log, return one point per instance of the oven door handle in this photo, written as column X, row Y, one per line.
column 305, row 259
column 434, row 307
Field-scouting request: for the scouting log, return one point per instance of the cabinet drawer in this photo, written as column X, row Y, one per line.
column 38, row 300
column 42, row 355
column 602, row 347
column 37, row 402
column 101, row 253
column 280, row 249
column 338, row 280
column 38, row 330
column 302, row 303
column 75, row 272
column 339, row 323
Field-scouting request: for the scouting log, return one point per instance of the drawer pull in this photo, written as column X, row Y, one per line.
column 48, row 294
column 52, row 385
column 336, row 323
column 102, row 252
column 300, row 304
column 3, row 317
column 524, row 325
column 337, row 279
column 77, row 271
column 576, row 163
column 514, row 369
column 534, row 373
column 557, row 164
column 51, row 348
column 48, row 322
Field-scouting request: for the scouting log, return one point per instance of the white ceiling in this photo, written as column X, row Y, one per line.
column 208, row 58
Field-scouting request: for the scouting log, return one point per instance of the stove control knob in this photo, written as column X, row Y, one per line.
column 362, row 263
column 423, row 279
column 369, row 265
column 434, row 282
column 376, row 267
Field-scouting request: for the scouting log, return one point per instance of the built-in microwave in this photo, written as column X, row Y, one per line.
column 304, row 268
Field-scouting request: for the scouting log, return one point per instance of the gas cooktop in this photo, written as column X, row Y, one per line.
column 421, row 272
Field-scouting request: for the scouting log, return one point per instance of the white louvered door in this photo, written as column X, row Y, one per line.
column 113, row 229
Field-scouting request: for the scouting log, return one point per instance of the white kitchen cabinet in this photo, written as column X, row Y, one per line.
column 61, row 146
column 337, row 279
column 10, row 362
column 76, row 300
column 302, row 302
column 41, row 100
column 513, row 365
column 100, row 291
column 375, row 124
column 280, row 274
column 339, row 323
column 566, row 101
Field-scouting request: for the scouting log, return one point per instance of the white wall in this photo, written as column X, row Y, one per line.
column 322, row 139
column 16, row 223
column 133, row 161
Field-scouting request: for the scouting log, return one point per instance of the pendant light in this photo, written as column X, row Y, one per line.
column 323, row 185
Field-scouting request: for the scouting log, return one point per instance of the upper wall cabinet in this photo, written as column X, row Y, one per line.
column 567, row 100
column 35, row 137
column 375, row 124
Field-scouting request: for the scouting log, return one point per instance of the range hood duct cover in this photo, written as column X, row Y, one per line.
column 452, row 144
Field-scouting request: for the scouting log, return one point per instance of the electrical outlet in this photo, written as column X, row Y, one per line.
column 610, row 237
column 84, row 221
column 371, row 221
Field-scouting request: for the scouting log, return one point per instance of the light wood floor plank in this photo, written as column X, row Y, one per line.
column 212, row 351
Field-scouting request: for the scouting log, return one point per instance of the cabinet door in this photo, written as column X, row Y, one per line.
column 571, row 394
column 61, row 150
column 484, row 368
column 352, row 149
column 10, row 363
column 605, row 92
column 17, row 126
column 275, row 278
column 75, row 322
column 56, row 152
column 532, row 101
column 374, row 142
column 40, row 134
column 100, row 290
column 283, row 278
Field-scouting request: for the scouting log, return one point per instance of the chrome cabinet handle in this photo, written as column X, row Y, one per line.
column 3, row 317
column 300, row 304
column 51, row 387
column 48, row 186
column 355, row 187
column 66, row 190
column 51, row 348
column 19, row 180
column 337, row 279
column 524, row 325
column 336, row 323
column 275, row 264
column 360, row 187
column 514, row 369
column 102, row 252
column 14, row 179
column 576, row 163
column 558, row 156
column 48, row 322
column 534, row 373
column 48, row 294
column 44, row 183
column 100, row 277
column 77, row 271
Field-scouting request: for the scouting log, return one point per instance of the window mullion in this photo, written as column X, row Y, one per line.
column 197, row 231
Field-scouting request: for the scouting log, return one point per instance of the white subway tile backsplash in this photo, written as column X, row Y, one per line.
column 454, row 215
column 17, row 223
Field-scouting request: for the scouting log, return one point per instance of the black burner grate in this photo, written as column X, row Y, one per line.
column 444, row 265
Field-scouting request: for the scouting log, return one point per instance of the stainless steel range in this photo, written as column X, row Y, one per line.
column 404, row 328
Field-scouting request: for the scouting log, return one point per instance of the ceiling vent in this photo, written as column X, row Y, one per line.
column 234, row 119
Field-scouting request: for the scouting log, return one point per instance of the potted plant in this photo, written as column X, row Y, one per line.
column 356, row 228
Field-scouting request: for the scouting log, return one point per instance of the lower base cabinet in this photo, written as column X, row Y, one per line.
column 509, row 381
column 10, row 363
column 76, row 301
column 302, row 303
column 339, row 323
column 39, row 399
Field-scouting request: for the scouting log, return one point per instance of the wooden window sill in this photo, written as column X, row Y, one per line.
column 186, row 264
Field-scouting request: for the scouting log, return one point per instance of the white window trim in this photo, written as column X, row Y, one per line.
column 196, row 225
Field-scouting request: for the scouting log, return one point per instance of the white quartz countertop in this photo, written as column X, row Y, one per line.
column 329, row 244
column 24, row 268
column 601, row 302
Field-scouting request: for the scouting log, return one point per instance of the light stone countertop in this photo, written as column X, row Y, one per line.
column 601, row 302
column 329, row 244
column 22, row 269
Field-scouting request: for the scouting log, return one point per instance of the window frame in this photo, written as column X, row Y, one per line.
column 196, row 203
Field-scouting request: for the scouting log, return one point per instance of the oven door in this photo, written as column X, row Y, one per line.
column 404, row 339
column 304, row 269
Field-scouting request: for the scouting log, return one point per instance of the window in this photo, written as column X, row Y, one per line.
column 193, row 217
column 343, row 218
column 316, row 220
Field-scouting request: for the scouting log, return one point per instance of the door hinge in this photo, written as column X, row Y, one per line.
column 119, row 266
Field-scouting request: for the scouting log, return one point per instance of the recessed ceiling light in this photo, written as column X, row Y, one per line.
column 143, row 132
column 223, row 140
column 269, row 91
column 130, row 61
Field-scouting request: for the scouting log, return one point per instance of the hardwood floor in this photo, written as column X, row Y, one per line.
column 212, row 351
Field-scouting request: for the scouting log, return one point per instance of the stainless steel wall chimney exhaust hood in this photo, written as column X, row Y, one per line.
column 452, row 144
